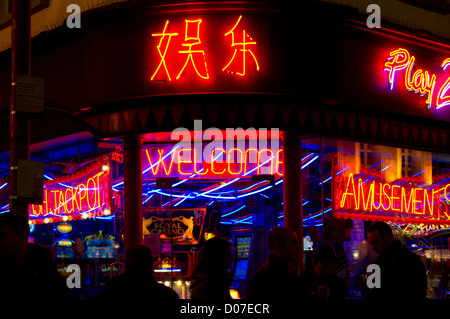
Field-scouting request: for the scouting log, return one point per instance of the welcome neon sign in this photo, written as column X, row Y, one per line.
column 418, row 81
column 370, row 198
column 82, row 197
column 218, row 162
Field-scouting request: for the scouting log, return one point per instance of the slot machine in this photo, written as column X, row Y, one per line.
column 241, row 240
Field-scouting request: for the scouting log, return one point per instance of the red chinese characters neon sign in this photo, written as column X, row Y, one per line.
column 357, row 197
column 243, row 49
column 419, row 81
column 195, row 51
column 196, row 38
column 162, row 54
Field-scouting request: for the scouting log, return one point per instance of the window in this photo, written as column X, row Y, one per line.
column 6, row 7
column 438, row 6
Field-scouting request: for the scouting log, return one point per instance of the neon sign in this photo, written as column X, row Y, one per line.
column 195, row 53
column 216, row 162
column 418, row 230
column 82, row 197
column 190, row 52
column 244, row 51
column 372, row 198
column 421, row 81
column 64, row 228
column 184, row 227
column 64, row 242
column 163, row 54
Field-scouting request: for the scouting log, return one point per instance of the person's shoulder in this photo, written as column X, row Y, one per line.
column 264, row 268
column 37, row 251
column 167, row 291
column 333, row 278
column 117, row 280
column 39, row 260
column 307, row 273
column 266, row 272
column 406, row 253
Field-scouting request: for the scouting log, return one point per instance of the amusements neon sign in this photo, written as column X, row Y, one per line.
column 77, row 198
column 217, row 162
column 356, row 197
column 420, row 81
column 193, row 51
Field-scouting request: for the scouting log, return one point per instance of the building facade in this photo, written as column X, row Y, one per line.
column 171, row 122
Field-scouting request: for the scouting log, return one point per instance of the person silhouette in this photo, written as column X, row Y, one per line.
column 27, row 269
column 210, row 278
column 273, row 281
column 137, row 285
column 402, row 273
column 319, row 280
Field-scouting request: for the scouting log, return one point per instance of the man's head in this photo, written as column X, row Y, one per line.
column 215, row 255
column 283, row 243
column 380, row 236
column 14, row 232
column 348, row 229
column 139, row 260
column 324, row 260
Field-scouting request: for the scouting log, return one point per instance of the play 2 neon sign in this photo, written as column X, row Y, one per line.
column 418, row 80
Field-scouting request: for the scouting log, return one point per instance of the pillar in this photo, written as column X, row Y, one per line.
column 132, row 191
column 19, row 123
column 292, row 188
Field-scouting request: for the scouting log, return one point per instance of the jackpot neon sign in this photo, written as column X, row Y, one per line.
column 218, row 162
column 418, row 80
column 193, row 51
column 357, row 197
column 83, row 197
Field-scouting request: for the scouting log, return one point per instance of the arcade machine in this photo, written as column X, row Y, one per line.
column 64, row 247
column 100, row 245
column 241, row 240
column 174, row 237
column 307, row 244
column 100, row 250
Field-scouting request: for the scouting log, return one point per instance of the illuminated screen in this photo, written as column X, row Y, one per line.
column 307, row 244
column 243, row 247
column 64, row 252
column 100, row 252
column 240, row 272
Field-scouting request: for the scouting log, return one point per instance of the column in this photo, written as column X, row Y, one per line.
column 19, row 123
column 132, row 191
column 292, row 188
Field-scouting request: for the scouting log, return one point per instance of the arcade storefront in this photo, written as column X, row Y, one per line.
column 179, row 122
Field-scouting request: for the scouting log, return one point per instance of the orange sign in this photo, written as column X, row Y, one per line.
column 418, row 80
column 67, row 199
column 368, row 198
